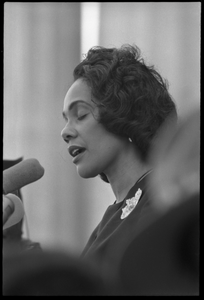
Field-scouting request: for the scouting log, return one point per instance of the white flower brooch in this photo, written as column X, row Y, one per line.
column 131, row 203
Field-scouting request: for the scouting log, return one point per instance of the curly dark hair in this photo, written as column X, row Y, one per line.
column 133, row 98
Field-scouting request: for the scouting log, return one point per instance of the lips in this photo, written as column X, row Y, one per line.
column 75, row 151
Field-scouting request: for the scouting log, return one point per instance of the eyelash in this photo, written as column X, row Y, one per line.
column 82, row 117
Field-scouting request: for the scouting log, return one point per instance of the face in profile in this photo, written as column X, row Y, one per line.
column 93, row 149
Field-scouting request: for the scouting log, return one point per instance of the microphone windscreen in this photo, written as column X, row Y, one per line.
column 21, row 174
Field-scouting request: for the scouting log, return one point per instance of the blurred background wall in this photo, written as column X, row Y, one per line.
column 43, row 42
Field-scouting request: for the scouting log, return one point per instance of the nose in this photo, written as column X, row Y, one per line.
column 68, row 133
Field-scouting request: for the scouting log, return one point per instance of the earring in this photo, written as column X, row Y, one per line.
column 130, row 140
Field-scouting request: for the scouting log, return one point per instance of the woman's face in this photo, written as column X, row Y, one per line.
column 94, row 150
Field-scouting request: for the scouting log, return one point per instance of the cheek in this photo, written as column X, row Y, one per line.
column 101, row 145
column 104, row 156
column 95, row 138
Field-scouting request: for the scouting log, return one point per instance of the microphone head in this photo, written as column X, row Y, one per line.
column 21, row 174
column 18, row 210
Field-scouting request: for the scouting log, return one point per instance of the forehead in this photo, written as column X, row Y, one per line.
column 79, row 90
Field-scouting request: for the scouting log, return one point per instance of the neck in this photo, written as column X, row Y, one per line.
column 124, row 174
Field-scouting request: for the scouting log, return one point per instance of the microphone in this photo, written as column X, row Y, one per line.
column 13, row 210
column 21, row 174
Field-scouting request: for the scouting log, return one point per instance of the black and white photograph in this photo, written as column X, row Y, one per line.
column 101, row 148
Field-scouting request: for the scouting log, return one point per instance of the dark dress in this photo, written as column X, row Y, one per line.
column 111, row 237
column 151, row 253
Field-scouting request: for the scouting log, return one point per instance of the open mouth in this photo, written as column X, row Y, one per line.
column 75, row 150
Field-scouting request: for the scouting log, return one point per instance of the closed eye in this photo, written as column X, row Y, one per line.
column 82, row 117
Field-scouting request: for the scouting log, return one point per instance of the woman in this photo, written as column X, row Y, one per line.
column 113, row 111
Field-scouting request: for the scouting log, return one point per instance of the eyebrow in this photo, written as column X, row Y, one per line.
column 72, row 105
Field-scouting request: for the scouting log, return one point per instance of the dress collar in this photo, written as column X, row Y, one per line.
column 140, row 183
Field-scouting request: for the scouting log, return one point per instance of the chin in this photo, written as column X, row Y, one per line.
column 87, row 173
